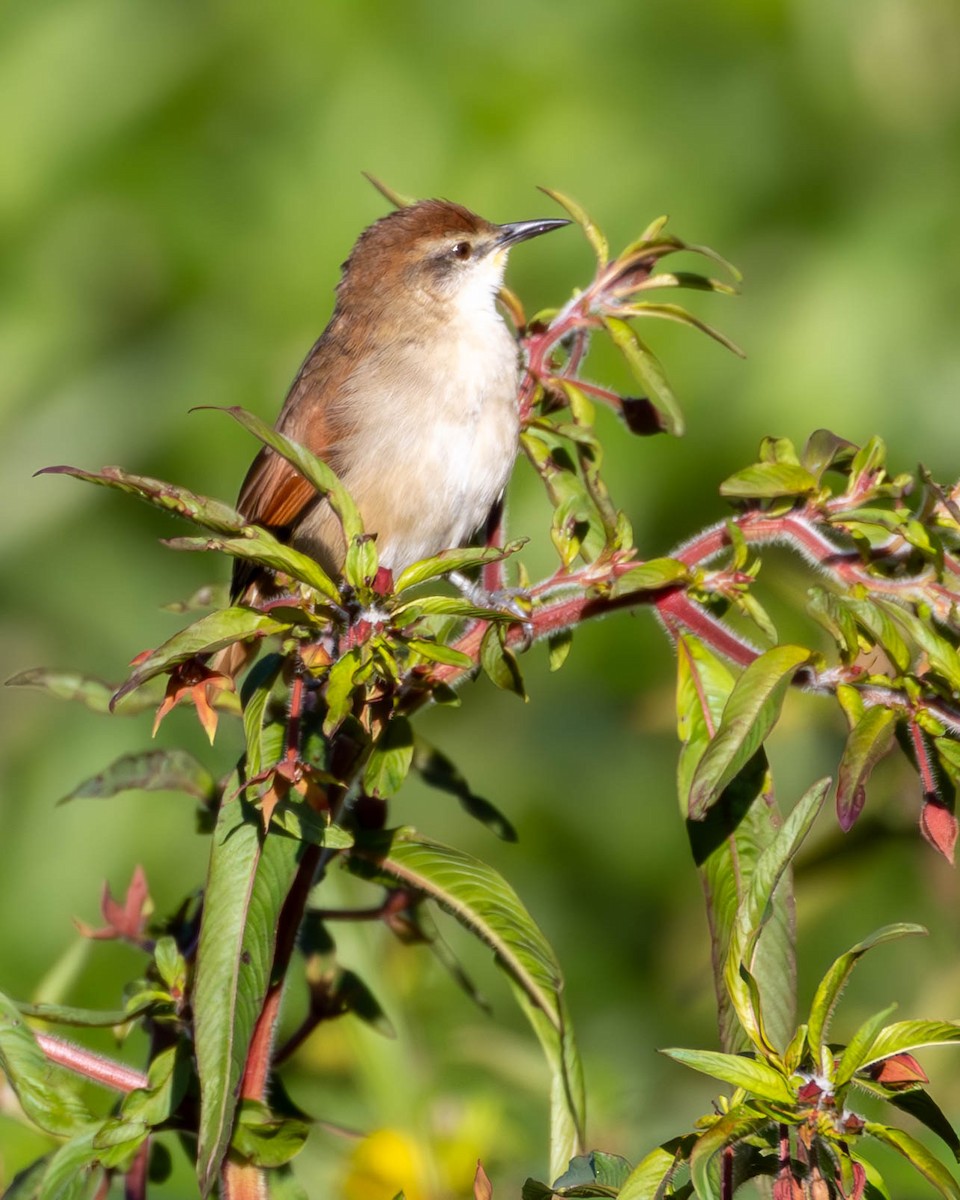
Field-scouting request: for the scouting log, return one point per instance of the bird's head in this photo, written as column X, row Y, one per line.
column 438, row 252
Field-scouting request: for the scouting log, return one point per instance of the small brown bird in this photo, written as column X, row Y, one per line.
column 410, row 394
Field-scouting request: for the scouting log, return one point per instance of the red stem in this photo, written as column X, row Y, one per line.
column 95, row 1067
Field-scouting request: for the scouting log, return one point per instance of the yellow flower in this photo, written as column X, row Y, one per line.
column 384, row 1163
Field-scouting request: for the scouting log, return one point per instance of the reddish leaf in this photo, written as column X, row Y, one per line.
column 194, row 681
column 127, row 920
column 897, row 1071
column 859, row 1182
column 939, row 827
column 482, row 1187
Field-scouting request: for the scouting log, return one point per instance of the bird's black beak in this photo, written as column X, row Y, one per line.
column 519, row 231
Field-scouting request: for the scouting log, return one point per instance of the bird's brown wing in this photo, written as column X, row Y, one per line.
column 274, row 494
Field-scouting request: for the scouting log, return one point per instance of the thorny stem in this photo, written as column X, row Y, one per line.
column 570, row 597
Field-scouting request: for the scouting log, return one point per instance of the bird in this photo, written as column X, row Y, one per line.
column 409, row 394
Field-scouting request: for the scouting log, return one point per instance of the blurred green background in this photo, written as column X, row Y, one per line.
column 178, row 184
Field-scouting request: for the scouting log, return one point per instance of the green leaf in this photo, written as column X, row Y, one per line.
column 390, row 759
column 211, row 514
column 254, row 697
column 92, row 1018
column 918, row 1156
column 248, row 881
column 313, row 469
column 72, row 1170
column 765, row 481
column 211, row 633
column 858, row 1047
column 748, row 717
column 943, row 657
column 454, row 560
column 25, row 1185
column 751, row 1074
column 559, row 646
column 648, row 372
column 582, row 218
column 728, row 842
column 438, row 652
column 832, row 985
column 734, row 1126
column 912, row 1035
column 258, row 545
column 447, row 606
column 265, row 1139
column 439, row 772
column 361, row 562
column 484, row 903
column 825, row 450
column 170, row 1077
column 868, row 460
column 652, row 575
column 675, row 312
column 340, row 689
column 650, row 1177
column 756, row 908
column 299, row 820
column 500, row 663
column 92, row 692
column 117, row 1142
column 923, row 1108
column 150, row 771
column 45, row 1091
column 868, row 742
column 584, row 1171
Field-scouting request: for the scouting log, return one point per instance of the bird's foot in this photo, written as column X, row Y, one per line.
column 512, row 602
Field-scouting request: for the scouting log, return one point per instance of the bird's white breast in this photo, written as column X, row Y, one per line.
column 437, row 439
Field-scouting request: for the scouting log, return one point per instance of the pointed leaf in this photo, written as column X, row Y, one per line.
column 45, row 1091
column 767, row 481
column 150, row 771
column 912, row 1035
column 832, row 985
column 589, row 227
column 249, row 878
column 92, row 1018
column 649, row 1178
column 674, row 312
column 859, row 1045
column 72, row 1170
column 454, row 560
column 439, row 772
column 260, row 546
column 756, row 908
column 652, row 575
column 211, row 514
column 211, row 633
column 500, row 663
column 751, row 1074
column 748, row 717
column 397, row 199
column 918, row 1155
column 484, row 903
column 92, row 692
column 735, row 1125
column 390, row 759
column 868, row 742
column 648, row 372
column 313, row 469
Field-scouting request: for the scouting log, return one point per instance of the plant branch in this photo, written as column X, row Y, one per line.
column 95, row 1067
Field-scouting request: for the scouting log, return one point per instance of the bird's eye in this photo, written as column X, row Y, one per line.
column 462, row 250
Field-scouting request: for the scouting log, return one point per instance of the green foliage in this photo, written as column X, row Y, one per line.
column 329, row 737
